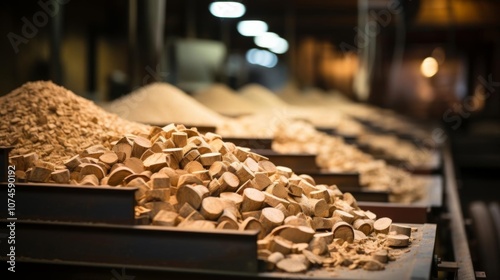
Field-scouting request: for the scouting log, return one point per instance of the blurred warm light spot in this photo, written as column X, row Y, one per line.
column 429, row 67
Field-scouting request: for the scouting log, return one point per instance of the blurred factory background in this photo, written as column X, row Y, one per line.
column 435, row 60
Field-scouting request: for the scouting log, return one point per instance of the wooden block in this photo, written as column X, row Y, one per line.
column 283, row 209
column 217, row 169
column 320, row 194
column 155, row 162
column 211, row 208
column 373, row 265
column 89, row 180
column 319, row 207
column 230, row 220
column 271, row 218
column 349, row 198
column 187, row 210
column 241, row 153
column 94, row 151
column 192, row 194
column 117, row 176
column 179, row 139
column 229, row 182
column 188, row 179
column 382, row 225
column 254, row 214
column 295, row 221
column 307, row 187
column 159, row 181
column 370, row 215
column 251, row 164
column 252, row 223
column 193, row 166
column 398, row 240
column 280, row 244
column 123, row 151
column 165, row 218
column 18, row 162
column 327, row 236
column 318, row 246
column 91, row 168
column 158, row 194
column 400, row 229
column 308, row 179
column 293, row 208
column 346, row 217
column 278, row 190
column 343, row 231
column 30, row 159
column 60, row 176
column 358, row 214
column 359, row 235
column 322, row 223
column 381, row 256
column 156, row 206
column 134, row 164
column 39, row 174
column 146, row 154
column 273, row 259
column 363, row 225
column 273, row 200
column 244, row 173
column 291, row 265
column 284, row 171
column 267, row 166
column 233, row 197
column 175, row 152
column 253, row 199
column 142, row 186
column 261, row 181
column 214, row 188
column 189, row 156
column 73, row 162
column 208, row 159
column 299, row 234
column 139, row 146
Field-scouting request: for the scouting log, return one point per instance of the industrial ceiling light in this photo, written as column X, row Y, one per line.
column 280, row 47
column 262, row 57
column 267, row 40
column 227, row 9
column 252, row 27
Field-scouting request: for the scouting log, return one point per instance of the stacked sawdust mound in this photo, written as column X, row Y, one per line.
column 194, row 181
column 391, row 147
column 261, row 96
column 162, row 103
column 336, row 156
column 225, row 101
column 55, row 123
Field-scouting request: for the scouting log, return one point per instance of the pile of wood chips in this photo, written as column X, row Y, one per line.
column 55, row 123
column 334, row 155
column 191, row 180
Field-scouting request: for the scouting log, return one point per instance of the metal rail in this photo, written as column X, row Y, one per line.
column 457, row 227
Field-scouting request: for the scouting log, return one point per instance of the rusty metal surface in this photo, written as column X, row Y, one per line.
column 417, row 263
column 4, row 162
column 399, row 213
column 253, row 143
column 148, row 247
column 299, row 163
column 58, row 202
column 344, row 179
column 457, row 228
